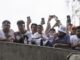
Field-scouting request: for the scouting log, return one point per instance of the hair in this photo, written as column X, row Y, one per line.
column 33, row 24
column 78, row 27
column 40, row 26
column 70, row 24
column 68, row 16
column 20, row 22
column 73, row 28
column 52, row 29
column 6, row 21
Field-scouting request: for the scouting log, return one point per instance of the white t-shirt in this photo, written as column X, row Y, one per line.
column 30, row 36
column 74, row 40
column 2, row 34
column 38, row 37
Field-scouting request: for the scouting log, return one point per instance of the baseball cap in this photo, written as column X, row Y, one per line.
column 62, row 29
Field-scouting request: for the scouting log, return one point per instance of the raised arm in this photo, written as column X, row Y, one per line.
column 58, row 23
column 48, row 25
column 28, row 23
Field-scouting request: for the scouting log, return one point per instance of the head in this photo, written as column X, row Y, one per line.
column 62, row 31
column 58, row 23
column 6, row 25
column 78, row 31
column 34, row 27
column 39, row 29
column 21, row 25
column 69, row 27
column 51, row 32
column 73, row 30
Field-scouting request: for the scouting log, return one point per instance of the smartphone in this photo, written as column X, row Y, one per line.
column 42, row 21
column 28, row 19
column 68, row 19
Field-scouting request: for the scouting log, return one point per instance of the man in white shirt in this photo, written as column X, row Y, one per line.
column 6, row 34
column 50, row 32
column 39, row 38
column 31, row 33
column 75, row 39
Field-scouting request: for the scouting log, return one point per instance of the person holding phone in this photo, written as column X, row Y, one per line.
column 39, row 38
column 30, row 33
column 21, row 35
column 58, row 23
column 50, row 32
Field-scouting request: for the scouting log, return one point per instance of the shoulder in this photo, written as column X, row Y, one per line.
column 1, row 32
column 2, row 35
column 28, row 32
column 67, row 37
column 73, row 36
column 11, row 31
column 37, row 35
column 16, row 33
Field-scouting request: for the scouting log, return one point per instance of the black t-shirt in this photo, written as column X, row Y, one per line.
column 19, row 37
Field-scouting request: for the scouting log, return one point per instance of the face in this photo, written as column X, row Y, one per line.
column 73, row 32
column 21, row 27
column 34, row 28
column 39, row 29
column 69, row 27
column 60, row 34
column 6, row 26
column 78, row 32
column 51, row 33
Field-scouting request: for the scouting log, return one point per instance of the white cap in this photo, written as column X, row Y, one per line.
column 62, row 29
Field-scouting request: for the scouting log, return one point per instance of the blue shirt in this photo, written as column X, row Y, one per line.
column 63, row 40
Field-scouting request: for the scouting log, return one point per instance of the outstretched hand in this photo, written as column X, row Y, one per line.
column 51, row 17
column 42, row 21
column 28, row 20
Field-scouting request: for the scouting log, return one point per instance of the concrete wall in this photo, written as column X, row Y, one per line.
column 10, row 51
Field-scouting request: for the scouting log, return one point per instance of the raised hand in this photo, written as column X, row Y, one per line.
column 28, row 20
column 42, row 21
column 28, row 23
column 51, row 17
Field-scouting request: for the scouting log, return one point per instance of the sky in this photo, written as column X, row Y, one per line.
column 14, row 10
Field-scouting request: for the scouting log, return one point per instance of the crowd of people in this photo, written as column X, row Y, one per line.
column 66, row 37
